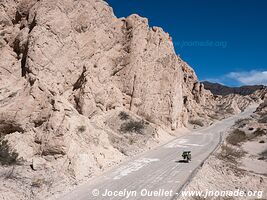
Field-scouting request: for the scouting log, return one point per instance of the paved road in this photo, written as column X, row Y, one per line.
column 159, row 170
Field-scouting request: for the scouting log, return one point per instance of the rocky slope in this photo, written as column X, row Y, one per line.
column 218, row 89
column 81, row 90
column 202, row 108
column 240, row 162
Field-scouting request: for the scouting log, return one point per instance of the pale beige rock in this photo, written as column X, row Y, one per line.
column 67, row 70
column 38, row 163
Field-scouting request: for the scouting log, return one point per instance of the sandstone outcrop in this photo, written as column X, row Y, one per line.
column 68, row 69
column 81, row 90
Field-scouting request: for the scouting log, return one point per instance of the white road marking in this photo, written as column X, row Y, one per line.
column 175, row 143
column 159, row 178
column 173, row 173
column 196, row 133
column 132, row 167
column 196, row 145
column 182, row 143
column 174, row 166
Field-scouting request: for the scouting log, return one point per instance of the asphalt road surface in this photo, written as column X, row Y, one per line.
column 158, row 173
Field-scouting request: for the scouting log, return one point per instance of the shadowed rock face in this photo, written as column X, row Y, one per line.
column 218, row 89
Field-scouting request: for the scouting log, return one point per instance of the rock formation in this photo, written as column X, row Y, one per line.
column 218, row 89
column 68, row 69
column 202, row 108
column 81, row 51
column 82, row 89
column 240, row 161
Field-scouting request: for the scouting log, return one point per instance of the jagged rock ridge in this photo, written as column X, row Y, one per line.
column 218, row 89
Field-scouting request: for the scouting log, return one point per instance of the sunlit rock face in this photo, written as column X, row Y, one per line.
column 67, row 70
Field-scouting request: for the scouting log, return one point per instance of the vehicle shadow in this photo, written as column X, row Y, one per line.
column 181, row 161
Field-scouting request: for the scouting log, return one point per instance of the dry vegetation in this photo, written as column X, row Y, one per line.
column 197, row 122
column 230, row 154
column 133, row 126
column 7, row 157
column 263, row 119
column 236, row 137
column 82, row 129
column 241, row 123
column 263, row 155
column 259, row 132
column 123, row 115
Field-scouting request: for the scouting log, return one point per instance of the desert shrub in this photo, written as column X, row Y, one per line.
column 131, row 140
column 133, row 126
column 82, row 128
column 9, row 127
column 236, row 137
column 258, row 132
column 7, row 157
column 38, row 182
column 196, row 122
column 262, row 105
column 262, row 141
column 264, row 153
column 240, row 123
column 123, row 151
column 123, row 115
column 231, row 154
column 263, row 120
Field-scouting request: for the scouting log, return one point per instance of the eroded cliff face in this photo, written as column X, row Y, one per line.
column 68, row 70
column 81, row 90
column 80, row 51
column 202, row 108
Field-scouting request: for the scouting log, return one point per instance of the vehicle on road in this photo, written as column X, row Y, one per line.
column 186, row 156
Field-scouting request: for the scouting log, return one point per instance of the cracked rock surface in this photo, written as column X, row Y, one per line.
column 72, row 75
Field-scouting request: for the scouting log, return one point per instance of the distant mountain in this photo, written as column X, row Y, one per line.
column 218, row 89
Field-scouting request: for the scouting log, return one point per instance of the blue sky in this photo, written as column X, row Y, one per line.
column 223, row 40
